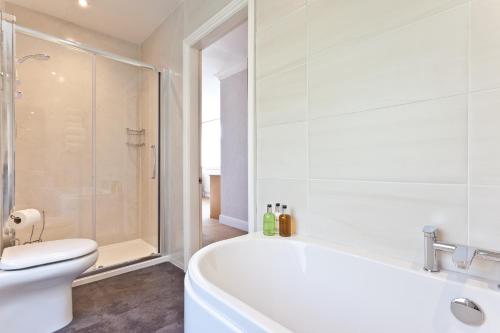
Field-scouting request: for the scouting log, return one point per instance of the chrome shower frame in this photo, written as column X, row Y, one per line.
column 7, row 123
column 83, row 47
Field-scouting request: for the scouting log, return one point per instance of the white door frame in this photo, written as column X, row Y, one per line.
column 222, row 22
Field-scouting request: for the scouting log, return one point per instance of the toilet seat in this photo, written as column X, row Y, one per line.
column 36, row 254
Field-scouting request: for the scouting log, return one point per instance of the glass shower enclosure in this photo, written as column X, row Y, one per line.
column 86, row 136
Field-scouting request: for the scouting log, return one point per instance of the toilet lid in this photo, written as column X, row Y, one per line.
column 36, row 254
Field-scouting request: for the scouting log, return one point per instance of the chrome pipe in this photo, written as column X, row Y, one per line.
column 7, row 125
column 430, row 255
column 450, row 248
column 488, row 255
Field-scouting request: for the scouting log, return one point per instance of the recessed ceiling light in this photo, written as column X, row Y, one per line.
column 83, row 3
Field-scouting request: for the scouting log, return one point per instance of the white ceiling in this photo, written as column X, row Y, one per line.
column 130, row 20
column 227, row 52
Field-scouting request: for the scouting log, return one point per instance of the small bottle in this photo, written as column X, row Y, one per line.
column 285, row 223
column 269, row 226
column 277, row 213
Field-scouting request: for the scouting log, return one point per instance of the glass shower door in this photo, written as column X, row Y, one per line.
column 126, row 148
column 87, row 149
column 54, row 138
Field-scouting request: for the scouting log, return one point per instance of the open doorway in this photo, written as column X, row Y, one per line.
column 224, row 136
column 229, row 18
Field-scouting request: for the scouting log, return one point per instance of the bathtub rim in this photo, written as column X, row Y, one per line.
column 213, row 295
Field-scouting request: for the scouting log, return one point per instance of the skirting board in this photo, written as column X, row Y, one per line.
column 126, row 269
column 233, row 222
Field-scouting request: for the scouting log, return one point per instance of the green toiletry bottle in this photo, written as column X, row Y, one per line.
column 269, row 222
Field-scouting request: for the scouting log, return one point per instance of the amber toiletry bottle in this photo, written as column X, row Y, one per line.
column 285, row 223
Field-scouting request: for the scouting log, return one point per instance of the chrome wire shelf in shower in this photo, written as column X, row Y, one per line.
column 135, row 137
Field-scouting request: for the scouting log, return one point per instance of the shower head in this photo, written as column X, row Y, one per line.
column 37, row 56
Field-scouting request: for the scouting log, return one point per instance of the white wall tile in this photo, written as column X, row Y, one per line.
column 484, row 227
column 282, row 97
column 269, row 11
column 420, row 142
column 386, row 217
column 293, row 193
column 282, row 151
column 485, row 217
column 485, row 138
column 424, row 60
column 283, row 45
column 331, row 22
column 381, row 149
column 485, row 44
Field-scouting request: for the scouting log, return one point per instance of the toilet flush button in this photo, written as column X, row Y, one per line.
column 467, row 311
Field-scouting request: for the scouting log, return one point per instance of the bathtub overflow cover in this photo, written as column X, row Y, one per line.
column 467, row 311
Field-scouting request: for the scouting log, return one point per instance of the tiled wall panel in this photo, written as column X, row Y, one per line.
column 381, row 117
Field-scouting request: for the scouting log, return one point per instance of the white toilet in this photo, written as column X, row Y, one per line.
column 35, row 283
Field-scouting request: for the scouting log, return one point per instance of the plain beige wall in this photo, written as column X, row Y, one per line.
column 197, row 12
column 164, row 49
column 68, row 30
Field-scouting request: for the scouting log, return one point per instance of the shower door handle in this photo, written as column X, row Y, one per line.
column 153, row 149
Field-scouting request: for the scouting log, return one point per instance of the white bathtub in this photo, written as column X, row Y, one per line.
column 258, row 284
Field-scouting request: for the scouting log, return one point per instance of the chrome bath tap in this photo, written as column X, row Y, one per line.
column 462, row 255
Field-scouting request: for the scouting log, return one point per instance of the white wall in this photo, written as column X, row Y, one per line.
column 234, row 157
column 381, row 117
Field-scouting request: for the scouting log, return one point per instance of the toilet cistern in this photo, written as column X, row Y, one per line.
column 462, row 255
